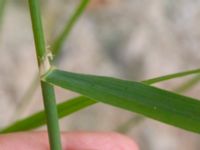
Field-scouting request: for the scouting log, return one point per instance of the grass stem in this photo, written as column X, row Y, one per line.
column 47, row 89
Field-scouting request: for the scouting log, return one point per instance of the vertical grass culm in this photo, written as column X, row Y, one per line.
column 47, row 89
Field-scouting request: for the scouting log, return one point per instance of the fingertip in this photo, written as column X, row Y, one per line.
column 70, row 140
column 98, row 141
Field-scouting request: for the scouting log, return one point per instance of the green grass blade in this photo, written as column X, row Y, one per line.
column 182, row 88
column 64, row 109
column 158, row 104
column 172, row 76
column 124, row 128
column 56, row 46
column 38, row 119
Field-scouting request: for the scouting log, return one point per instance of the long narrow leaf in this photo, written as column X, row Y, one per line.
column 38, row 119
column 165, row 106
column 172, row 76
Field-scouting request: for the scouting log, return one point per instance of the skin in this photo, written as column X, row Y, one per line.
column 70, row 141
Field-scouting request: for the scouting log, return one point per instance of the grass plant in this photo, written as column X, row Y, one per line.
column 138, row 97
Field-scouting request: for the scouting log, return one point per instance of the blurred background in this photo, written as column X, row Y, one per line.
column 129, row 39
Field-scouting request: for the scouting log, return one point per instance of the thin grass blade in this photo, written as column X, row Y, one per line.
column 171, row 76
column 38, row 119
column 158, row 104
column 64, row 109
